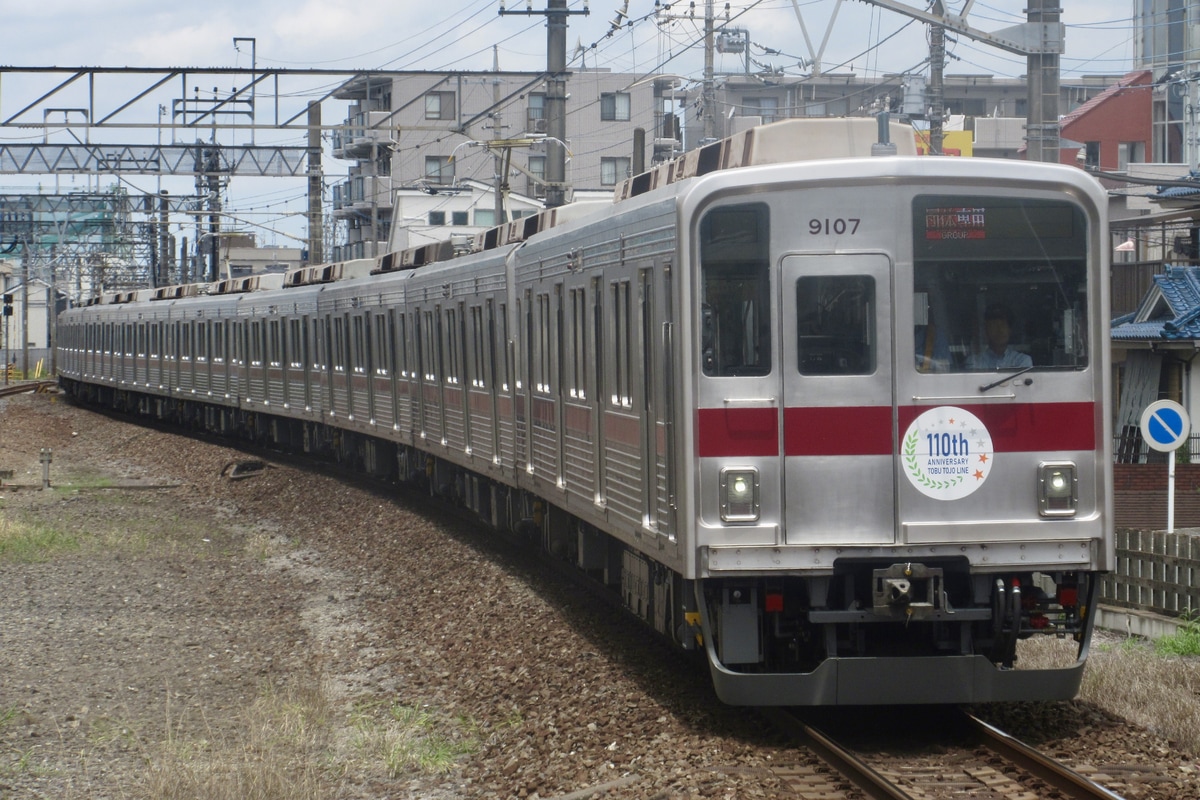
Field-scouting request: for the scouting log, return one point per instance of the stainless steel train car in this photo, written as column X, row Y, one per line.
column 839, row 420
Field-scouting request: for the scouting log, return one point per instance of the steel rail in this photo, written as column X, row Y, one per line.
column 28, row 386
column 1057, row 775
column 854, row 769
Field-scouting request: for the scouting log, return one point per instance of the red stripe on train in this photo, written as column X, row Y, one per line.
column 867, row 430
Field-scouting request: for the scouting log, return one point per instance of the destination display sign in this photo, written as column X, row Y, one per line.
column 955, row 223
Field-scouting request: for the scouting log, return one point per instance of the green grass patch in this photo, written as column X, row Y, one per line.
column 404, row 739
column 31, row 543
column 7, row 715
column 1184, row 642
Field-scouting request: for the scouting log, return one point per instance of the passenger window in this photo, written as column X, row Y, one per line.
column 735, row 313
column 836, row 325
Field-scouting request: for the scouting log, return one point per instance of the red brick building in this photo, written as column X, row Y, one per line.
column 1112, row 129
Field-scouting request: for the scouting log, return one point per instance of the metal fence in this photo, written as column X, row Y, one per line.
column 1130, row 448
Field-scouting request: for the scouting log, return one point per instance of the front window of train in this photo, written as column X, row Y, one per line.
column 736, row 323
column 1000, row 284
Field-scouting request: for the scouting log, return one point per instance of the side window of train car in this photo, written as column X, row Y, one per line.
column 337, row 350
column 429, row 366
column 500, row 346
column 622, row 344
column 219, row 341
column 202, row 340
column 478, row 339
column 578, row 344
column 542, row 331
column 185, row 343
column 318, row 345
column 381, row 350
column 400, row 345
column 452, row 338
column 296, row 357
column 835, row 315
column 735, row 311
column 358, row 353
column 255, row 354
column 275, row 344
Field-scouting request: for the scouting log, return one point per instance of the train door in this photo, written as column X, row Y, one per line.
column 838, row 399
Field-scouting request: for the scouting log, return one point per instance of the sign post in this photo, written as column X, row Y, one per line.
column 1165, row 426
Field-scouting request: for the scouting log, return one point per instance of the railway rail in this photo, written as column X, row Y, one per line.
column 988, row 766
column 27, row 386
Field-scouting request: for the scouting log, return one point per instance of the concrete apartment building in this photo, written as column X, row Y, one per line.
column 430, row 139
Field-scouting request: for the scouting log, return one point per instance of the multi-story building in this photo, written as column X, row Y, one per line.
column 433, row 131
column 990, row 106
column 1168, row 43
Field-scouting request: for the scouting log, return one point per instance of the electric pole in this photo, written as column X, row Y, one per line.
column 316, row 224
column 556, row 14
column 937, row 95
column 709, row 92
column 1041, row 130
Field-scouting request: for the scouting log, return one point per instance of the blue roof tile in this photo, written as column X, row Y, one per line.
column 1180, row 191
column 1179, row 287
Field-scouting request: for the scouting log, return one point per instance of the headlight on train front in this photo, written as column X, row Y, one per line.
column 739, row 494
column 1058, row 490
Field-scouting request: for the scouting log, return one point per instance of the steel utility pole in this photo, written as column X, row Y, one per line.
column 1041, row 129
column 556, row 14
column 316, row 223
column 709, row 91
column 937, row 94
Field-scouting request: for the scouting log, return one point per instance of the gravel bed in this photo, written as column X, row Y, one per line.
column 184, row 598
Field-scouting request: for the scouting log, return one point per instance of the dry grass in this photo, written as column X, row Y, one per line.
column 1132, row 678
column 281, row 751
column 293, row 744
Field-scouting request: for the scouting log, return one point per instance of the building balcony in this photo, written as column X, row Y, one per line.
column 361, row 135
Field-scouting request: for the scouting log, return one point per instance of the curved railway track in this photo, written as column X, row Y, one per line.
column 989, row 765
column 27, row 386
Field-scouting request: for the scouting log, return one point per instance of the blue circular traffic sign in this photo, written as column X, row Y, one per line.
column 1165, row 425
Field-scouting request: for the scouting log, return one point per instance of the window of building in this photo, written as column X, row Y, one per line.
column 537, row 171
column 613, row 170
column 765, row 107
column 439, row 105
column 458, row 218
column 439, row 170
column 535, row 114
column 437, row 217
column 1130, row 153
column 485, row 217
column 614, row 106
column 967, row 106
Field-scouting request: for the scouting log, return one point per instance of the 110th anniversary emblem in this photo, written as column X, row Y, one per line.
column 947, row 453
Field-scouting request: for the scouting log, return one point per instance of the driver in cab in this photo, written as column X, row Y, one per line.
column 998, row 324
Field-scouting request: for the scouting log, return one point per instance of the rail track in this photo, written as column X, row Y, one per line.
column 987, row 764
column 27, row 386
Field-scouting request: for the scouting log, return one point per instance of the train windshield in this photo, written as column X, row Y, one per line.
column 998, row 284
column 736, row 286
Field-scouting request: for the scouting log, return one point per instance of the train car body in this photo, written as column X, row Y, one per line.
column 767, row 404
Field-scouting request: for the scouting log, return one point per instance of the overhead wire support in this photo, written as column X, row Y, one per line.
column 556, row 13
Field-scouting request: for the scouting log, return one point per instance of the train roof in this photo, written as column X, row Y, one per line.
column 808, row 141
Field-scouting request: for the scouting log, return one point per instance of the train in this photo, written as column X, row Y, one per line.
column 831, row 415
